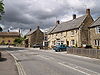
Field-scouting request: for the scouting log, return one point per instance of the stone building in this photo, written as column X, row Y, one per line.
column 8, row 37
column 34, row 37
column 95, row 33
column 72, row 33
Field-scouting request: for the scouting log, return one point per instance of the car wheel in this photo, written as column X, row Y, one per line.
column 56, row 51
column 60, row 50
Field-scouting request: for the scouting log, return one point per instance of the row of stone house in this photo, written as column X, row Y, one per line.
column 77, row 32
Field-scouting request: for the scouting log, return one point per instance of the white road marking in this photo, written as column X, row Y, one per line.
column 82, row 57
column 72, row 68
column 43, row 57
column 46, row 57
column 79, row 69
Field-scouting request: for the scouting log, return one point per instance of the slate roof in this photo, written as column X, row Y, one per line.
column 51, row 29
column 96, row 23
column 30, row 32
column 12, row 34
column 72, row 24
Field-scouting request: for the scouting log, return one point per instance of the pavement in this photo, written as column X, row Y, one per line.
column 7, row 64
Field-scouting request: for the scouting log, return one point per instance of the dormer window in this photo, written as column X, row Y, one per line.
column 98, row 29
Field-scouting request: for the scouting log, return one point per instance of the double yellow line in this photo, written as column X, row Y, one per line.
column 18, row 65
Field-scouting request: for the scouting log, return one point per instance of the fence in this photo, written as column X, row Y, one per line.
column 93, row 53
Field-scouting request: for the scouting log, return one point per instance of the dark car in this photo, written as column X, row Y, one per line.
column 59, row 48
column 38, row 46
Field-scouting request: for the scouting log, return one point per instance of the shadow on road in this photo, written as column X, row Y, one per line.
column 10, row 48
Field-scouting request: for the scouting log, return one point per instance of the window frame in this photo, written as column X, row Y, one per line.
column 72, row 42
column 97, row 42
column 98, row 29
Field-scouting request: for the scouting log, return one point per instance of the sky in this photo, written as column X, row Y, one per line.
column 26, row 14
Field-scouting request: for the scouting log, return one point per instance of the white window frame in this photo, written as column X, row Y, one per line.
column 98, row 29
column 72, row 42
column 97, row 42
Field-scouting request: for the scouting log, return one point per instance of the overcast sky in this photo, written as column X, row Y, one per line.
column 28, row 14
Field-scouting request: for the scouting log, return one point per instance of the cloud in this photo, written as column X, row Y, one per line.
column 30, row 13
column 2, row 26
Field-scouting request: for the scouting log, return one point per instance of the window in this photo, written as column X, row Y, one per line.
column 45, row 38
column 98, row 29
column 72, row 42
column 97, row 42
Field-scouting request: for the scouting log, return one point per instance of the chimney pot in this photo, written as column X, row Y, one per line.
column 74, row 16
column 58, row 22
column 19, row 30
column 88, row 11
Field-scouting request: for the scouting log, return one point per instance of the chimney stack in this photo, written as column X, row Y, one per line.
column 87, row 11
column 74, row 16
column 38, row 27
column 19, row 31
column 30, row 29
column 58, row 22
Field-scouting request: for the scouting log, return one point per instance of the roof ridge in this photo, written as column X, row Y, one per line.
column 71, row 24
column 95, row 21
column 32, row 31
column 53, row 28
column 73, row 19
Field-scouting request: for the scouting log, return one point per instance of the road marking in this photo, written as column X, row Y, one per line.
column 46, row 57
column 73, row 68
column 18, row 64
column 79, row 69
column 82, row 57
column 22, row 70
column 43, row 57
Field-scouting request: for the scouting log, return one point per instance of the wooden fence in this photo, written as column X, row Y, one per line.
column 93, row 53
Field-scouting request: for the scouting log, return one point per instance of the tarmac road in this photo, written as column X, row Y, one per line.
column 41, row 62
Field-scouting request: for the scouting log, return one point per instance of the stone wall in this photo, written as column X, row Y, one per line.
column 94, row 36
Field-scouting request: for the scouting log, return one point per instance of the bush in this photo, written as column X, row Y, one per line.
column 18, row 40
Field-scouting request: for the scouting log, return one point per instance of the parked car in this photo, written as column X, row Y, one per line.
column 38, row 46
column 59, row 48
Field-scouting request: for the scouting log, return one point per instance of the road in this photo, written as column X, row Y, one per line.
column 44, row 62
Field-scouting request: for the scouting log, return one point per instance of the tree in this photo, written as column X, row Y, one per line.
column 1, row 8
column 19, row 40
